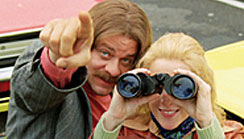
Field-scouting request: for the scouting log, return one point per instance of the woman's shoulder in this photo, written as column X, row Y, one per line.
column 129, row 133
column 233, row 129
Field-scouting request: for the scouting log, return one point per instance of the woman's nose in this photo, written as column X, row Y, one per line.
column 165, row 99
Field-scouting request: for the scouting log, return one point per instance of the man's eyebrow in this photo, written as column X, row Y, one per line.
column 103, row 44
column 133, row 55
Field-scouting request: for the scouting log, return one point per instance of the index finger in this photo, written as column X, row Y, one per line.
column 86, row 26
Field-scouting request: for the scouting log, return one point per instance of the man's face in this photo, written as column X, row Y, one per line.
column 111, row 57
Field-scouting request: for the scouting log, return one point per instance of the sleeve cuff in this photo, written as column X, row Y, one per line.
column 102, row 133
column 213, row 131
column 59, row 76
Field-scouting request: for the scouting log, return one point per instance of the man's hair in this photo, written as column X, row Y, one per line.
column 121, row 17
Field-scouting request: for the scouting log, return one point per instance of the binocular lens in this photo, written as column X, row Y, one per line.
column 129, row 86
column 183, row 88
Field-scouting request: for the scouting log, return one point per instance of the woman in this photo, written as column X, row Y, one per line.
column 168, row 117
column 164, row 116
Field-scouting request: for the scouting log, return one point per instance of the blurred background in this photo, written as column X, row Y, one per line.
column 213, row 23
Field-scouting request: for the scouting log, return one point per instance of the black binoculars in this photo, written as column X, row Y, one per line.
column 180, row 86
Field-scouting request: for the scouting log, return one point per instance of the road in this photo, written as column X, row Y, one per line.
column 211, row 22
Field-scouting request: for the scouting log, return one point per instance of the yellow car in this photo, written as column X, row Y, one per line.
column 228, row 64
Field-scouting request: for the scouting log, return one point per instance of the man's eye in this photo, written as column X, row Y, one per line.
column 105, row 53
column 126, row 61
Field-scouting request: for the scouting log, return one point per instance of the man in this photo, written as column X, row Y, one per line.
column 50, row 83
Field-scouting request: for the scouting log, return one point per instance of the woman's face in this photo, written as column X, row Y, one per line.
column 168, row 114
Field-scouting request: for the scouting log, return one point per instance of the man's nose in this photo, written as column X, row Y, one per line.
column 112, row 67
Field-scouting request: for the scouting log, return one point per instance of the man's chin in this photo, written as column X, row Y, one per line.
column 103, row 91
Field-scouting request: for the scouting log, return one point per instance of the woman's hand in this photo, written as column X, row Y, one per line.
column 200, row 107
column 121, row 108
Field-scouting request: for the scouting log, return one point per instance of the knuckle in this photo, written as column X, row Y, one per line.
column 64, row 52
column 74, row 19
column 54, row 50
column 54, row 42
column 74, row 22
column 55, row 21
column 67, row 38
column 43, row 36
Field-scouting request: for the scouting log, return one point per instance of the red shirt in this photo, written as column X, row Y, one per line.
column 58, row 76
column 99, row 104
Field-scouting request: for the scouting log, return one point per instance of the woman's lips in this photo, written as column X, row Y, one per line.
column 168, row 113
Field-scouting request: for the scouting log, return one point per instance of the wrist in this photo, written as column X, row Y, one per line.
column 205, row 121
column 111, row 122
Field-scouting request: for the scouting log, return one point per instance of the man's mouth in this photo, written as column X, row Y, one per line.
column 106, row 81
column 106, row 77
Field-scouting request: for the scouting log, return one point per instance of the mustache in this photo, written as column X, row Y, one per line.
column 105, row 76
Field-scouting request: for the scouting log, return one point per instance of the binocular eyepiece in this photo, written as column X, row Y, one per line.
column 180, row 86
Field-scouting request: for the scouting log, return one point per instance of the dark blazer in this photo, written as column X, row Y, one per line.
column 39, row 110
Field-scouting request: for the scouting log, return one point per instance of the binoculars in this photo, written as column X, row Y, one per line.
column 180, row 86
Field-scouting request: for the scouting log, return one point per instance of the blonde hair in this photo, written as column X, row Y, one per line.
column 122, row 17
column 182, row 47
